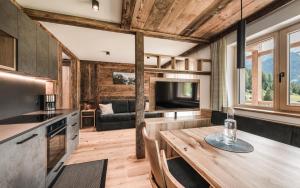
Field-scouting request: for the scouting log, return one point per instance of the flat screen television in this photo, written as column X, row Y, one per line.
column 176, row 95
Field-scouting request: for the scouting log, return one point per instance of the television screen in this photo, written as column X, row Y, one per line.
column 174, row 95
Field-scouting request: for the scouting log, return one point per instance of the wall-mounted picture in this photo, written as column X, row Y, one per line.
column 124, row 78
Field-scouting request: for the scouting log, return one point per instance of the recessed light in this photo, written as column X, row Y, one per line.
column 95, row 5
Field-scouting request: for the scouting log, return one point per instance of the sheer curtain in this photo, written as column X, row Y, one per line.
column 218, row 76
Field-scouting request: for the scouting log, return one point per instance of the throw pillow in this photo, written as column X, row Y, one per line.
column 147, row 106
column 106, row 108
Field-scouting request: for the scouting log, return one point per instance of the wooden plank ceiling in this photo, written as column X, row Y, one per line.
column 197, row 21
column 193, row 18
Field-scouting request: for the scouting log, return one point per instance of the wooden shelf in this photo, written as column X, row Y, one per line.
column 173, row 71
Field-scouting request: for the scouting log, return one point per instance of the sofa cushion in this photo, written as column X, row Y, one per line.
column 218, row 118
column 106, row 108
column 152, row 115
column 114, row 117
column 274, row 131
column 296, row 137
column 119, row 106
column 131, row 105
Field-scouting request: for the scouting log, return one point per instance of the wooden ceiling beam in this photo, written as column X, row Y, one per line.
column 212, row 10
column 272, row 7
column 127, row 13
column 102, row 25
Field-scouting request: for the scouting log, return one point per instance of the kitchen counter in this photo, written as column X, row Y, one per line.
column 10, row 131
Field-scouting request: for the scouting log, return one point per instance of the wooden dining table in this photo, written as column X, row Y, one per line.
column 271, row 164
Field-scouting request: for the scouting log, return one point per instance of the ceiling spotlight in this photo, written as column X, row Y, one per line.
column 95, row 5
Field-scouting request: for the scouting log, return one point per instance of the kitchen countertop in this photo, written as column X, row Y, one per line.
column 10, row 131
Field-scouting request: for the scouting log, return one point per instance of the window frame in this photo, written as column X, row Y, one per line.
column 284, row 63
column 254, row 42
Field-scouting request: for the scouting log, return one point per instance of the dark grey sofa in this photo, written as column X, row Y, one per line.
column 123, row 117
column 283, row 133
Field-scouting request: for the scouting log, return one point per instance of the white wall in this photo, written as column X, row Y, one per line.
column 284, row 17
column 204, row 80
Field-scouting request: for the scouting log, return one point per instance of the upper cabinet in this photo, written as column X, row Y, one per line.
column 42, row 52
column 9, row 18
column 26, row 44
column 37, row 51
column 53, row 59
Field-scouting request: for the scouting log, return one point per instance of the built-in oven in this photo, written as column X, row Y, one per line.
column 56, row 143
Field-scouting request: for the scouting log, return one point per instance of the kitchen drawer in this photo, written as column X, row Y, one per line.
column 74, row 117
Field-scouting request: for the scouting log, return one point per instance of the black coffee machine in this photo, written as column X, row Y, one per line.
column 48, row 102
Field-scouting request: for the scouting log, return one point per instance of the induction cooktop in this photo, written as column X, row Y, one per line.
column 30, row 118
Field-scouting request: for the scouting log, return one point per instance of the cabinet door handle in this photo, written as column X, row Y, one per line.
column 74, row 114
column 74, row 137
column 26, row 139
column 58, row 168
column 74, row 124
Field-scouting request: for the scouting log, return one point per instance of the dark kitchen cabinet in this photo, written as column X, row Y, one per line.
column 53, row 59
column 24, row 160
column 9, row 18
column 42, row 53
column 26, row 44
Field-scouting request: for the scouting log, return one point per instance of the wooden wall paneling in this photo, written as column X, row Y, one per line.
column 139, row 94
column 97, row 81
column 58, row 82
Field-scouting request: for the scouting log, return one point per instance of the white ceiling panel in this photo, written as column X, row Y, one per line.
column 91, row 44
column 110, row 10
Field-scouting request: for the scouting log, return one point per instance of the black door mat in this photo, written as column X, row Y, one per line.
column 83, row 175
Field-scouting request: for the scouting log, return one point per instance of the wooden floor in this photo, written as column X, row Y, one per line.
column 124, row 170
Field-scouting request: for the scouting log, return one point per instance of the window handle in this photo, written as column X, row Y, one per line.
column 281, row 75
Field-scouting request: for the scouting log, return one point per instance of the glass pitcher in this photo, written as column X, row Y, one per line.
column 230, row 127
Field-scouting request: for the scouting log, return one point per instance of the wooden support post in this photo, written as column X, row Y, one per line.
column 139, row 94
column 199, row 65
column 173, row 63
column 158, row 61
column 255, row 89
column 186, row 64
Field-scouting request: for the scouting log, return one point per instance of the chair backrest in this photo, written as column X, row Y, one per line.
column 171, row 182
column 152, row 150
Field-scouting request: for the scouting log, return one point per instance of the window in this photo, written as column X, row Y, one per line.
column 290, row 68
column 266, row 82
column 257, row 79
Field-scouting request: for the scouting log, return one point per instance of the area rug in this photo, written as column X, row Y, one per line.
column 90, row 174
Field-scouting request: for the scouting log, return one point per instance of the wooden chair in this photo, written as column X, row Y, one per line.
column 171, row 182
column 152, row 150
